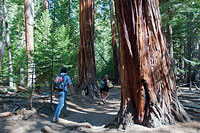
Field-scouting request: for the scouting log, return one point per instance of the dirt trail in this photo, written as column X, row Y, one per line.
column 82, row 109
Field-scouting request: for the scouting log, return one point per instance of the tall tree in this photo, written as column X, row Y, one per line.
column 148, row 94
column 189, row 47
column 114, row 44
column 10, row 68
column 29, row 24
column 87, row 67
column 170, row 37
column 2, row 52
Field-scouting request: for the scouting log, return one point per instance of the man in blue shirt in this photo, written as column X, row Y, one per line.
column 62, row 94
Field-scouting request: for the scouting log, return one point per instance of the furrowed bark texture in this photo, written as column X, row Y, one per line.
column 148, row 94
column 87, row 67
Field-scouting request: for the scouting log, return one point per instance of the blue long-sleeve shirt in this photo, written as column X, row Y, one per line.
column 67, row 81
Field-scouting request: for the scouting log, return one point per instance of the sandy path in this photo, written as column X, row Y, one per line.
column 82, row 109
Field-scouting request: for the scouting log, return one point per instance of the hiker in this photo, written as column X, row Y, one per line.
column 104, row 88
column 61, row 84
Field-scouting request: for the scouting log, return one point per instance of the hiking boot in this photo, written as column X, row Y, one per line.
column 55, row 120
column 103, row 101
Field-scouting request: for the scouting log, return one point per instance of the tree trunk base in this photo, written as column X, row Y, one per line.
column 157, row 116
column 90, row 90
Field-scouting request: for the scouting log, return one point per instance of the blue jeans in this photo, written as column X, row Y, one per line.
column 62, row 103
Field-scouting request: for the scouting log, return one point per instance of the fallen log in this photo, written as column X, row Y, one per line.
column 189, row 97
column 192, row 110
column 19, row 97
column 29, row 113
column 6, row 114
column 47, row 129
column 191, row 105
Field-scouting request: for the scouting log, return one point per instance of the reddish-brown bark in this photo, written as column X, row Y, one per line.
column 29, row 24
column 87, row 67
column 148, row 94
column 45, row 5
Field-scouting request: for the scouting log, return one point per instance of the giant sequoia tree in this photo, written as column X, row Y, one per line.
column 87, row 67
column 148, row 94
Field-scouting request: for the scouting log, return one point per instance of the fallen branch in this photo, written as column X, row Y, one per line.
column 4, row 96
column 6, row 114
column 22, row 88
column 73, row 124
column 41, row 97
column 197, row 87
column 15, row 109
column 38, row 108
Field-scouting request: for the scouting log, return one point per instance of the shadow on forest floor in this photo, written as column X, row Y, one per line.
column 83, row 109
column 80, row 109
column 190, row 99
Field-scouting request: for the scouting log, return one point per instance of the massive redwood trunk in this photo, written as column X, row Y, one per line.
column 114, row 45
column 148, row 94
column 87, row 67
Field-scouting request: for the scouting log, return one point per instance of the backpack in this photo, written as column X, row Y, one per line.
column 103, row 84
column 59, row 84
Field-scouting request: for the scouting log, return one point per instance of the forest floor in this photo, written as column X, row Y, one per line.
column 86, row 115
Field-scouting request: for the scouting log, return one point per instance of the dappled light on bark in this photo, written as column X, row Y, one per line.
column 87, row 68
column 147, row 79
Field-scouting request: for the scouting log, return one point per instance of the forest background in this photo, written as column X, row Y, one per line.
column 56, row 40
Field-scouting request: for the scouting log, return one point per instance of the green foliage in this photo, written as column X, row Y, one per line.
column 51, row 41
column 56, row 38
column 184, row 16
column 103, row 39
